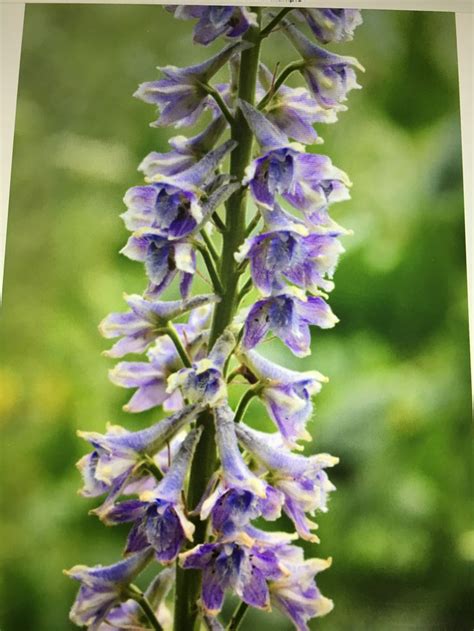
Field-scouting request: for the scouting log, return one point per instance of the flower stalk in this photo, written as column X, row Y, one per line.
column 244, row 403
column 208, row 261
column 279, row 81
column 265, row 32
column 237, row 617
column 170, row 331
column 137, row 595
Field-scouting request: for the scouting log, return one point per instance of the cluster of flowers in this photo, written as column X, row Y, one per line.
column 143, row 474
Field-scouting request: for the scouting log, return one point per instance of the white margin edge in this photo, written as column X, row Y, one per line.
column 465, row 38
column 11, row 32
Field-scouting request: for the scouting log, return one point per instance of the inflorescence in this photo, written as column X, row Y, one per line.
column 192, row 484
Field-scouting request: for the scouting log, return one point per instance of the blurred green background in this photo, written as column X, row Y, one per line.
column 398, row 406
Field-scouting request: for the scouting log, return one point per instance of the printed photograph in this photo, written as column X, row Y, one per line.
column 235, row 374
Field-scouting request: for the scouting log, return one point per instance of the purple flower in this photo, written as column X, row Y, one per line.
column 103, row 587
column 151, row 378
column 233, row 565
column 276, row 540
column 293, row 592
column 267, row 134
column 175, row 205
column 180, row 95
column 240, row 495
column 215, row 21
column 163, row 259
column 332, row 25
column 138, row 328
column 159, row 514
column 301, row 479
column 286, row 395
column 150, row 382
column 174, row 212
column 128, row 615
column 143, row 480
column 163, row 253
column 296, row 595
column 288, row 317
column 293, row 110
column 292, row 255
column 117, row 453
column 185, row 151
column 277, row 218
column 309, row 182
column 204, row 382
column 329, row 76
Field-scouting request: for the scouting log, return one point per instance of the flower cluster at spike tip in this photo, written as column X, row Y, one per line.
column 191, row 484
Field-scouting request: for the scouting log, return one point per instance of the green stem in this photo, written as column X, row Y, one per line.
column 210, row 246
column 265, row 32
column 237, row 617
column 244, row 403
column 242, row 266
column 232, row 375
column 219, row 224
column 144, row 603
column 210, row 268
column 236, row 205
column 282, row 77
column 252, row 224
column 220, row 102
column 204, row 461
column 188, row 582
column 245, row 289
column 151, row 467
column 171, row 332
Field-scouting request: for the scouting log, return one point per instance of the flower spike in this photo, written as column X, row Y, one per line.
column 203, row 474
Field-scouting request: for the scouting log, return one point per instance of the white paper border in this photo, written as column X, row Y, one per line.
column 11, row 29
column 450, row 6
column 465, row 39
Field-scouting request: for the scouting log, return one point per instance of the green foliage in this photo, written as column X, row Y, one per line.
column 398, row 405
